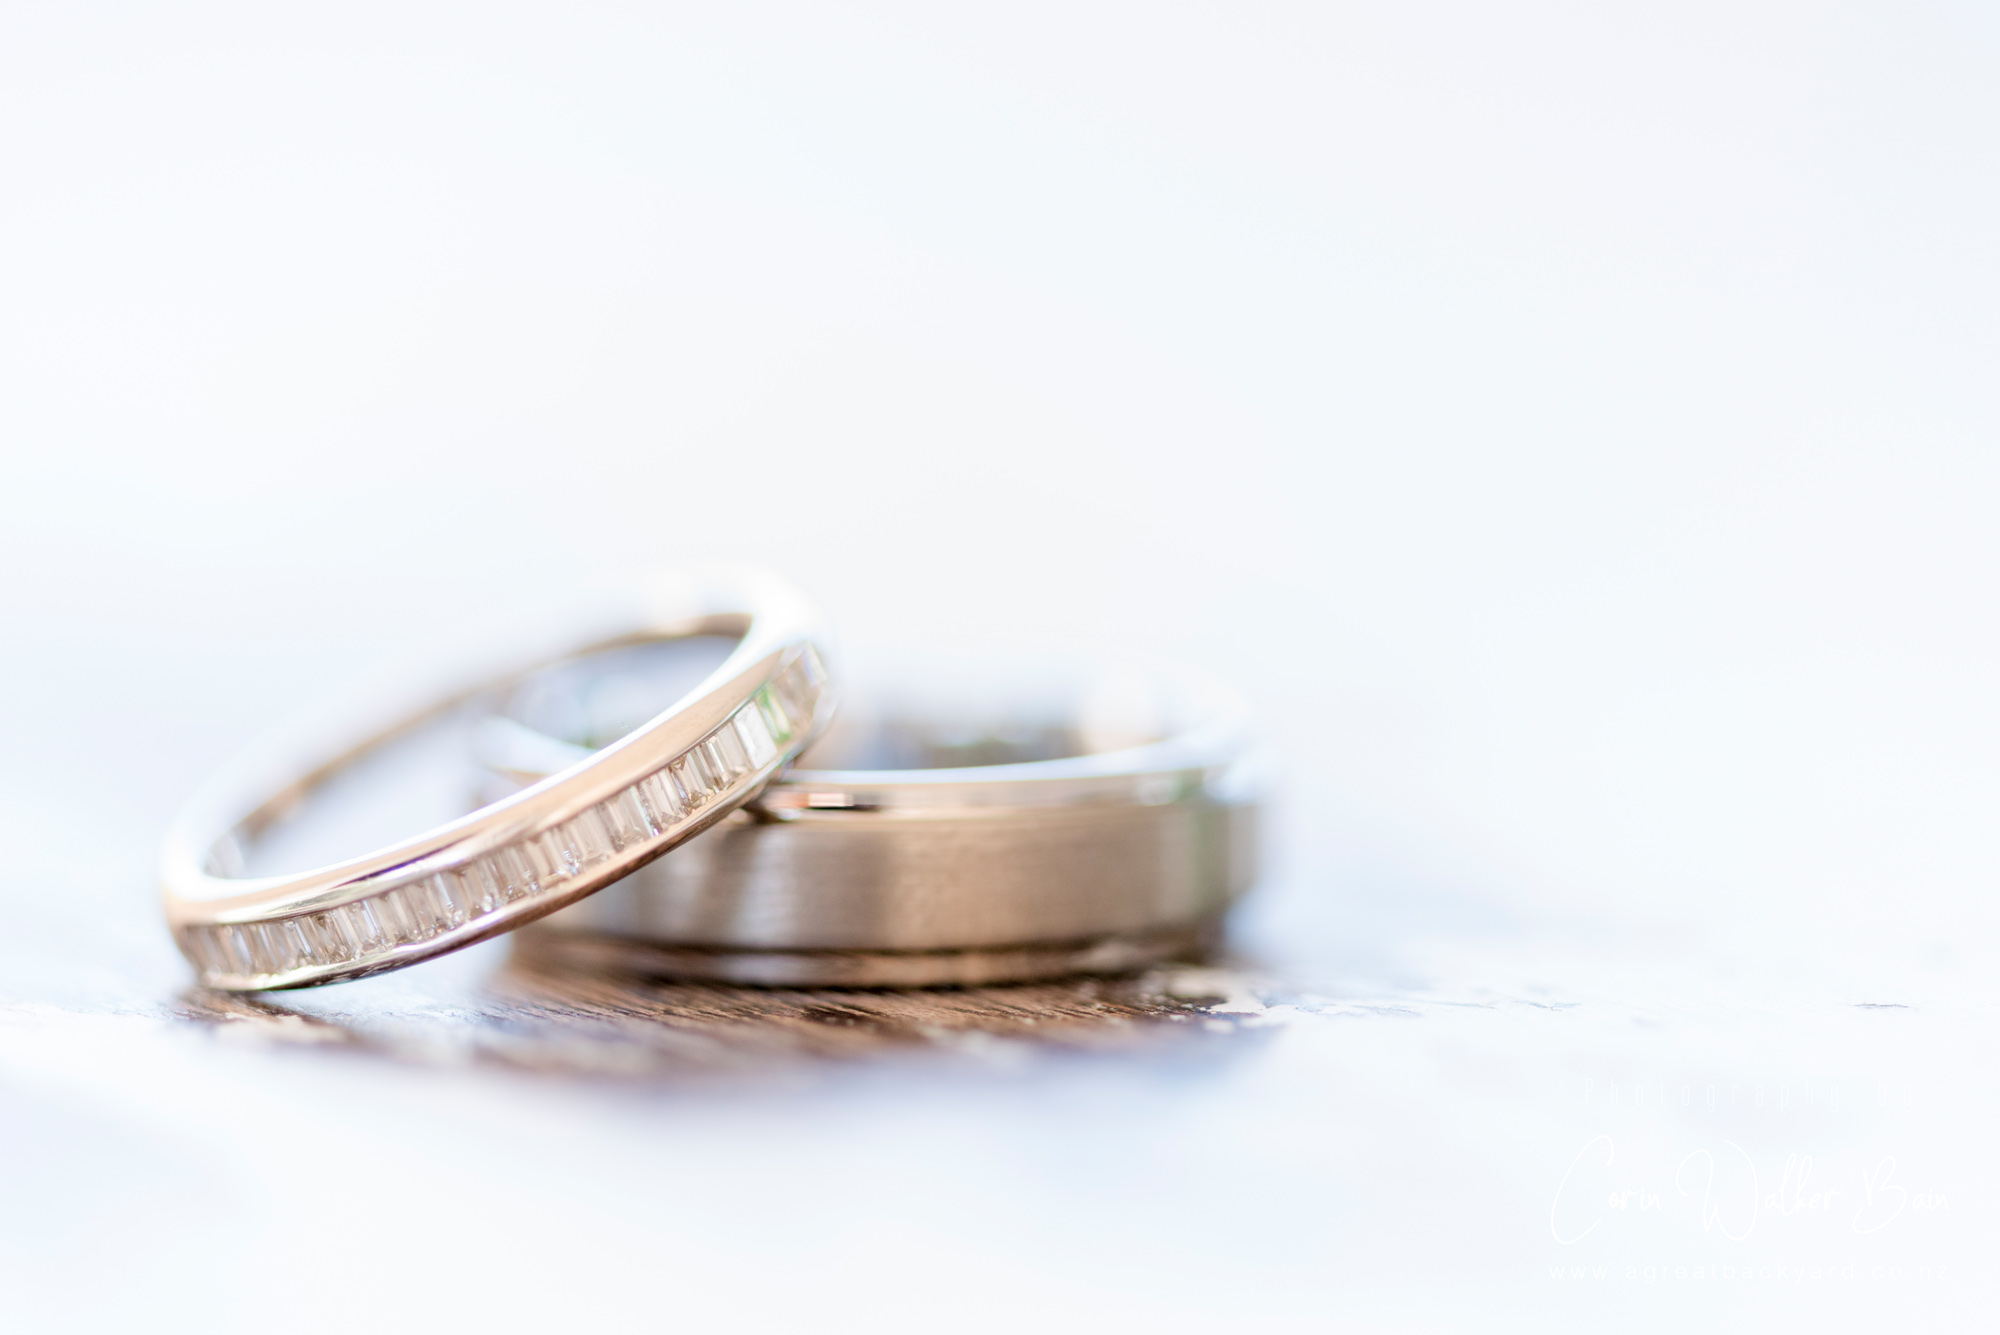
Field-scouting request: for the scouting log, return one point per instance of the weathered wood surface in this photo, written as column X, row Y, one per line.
column 558, row 1024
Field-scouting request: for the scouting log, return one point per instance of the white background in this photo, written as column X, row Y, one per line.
column 1574, row 426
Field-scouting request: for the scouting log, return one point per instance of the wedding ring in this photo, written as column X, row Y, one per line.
column 1078, row 841
column 555, row 841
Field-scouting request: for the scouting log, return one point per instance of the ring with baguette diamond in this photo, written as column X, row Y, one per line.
column 1100, row 827
column 676, row 772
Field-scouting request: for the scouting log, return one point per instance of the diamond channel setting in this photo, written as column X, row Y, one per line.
column 397, row 921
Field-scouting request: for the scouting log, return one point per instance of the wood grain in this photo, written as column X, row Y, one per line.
column 533, row 1018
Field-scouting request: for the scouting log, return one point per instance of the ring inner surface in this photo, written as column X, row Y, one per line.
column 426, row 775
column 882, row 726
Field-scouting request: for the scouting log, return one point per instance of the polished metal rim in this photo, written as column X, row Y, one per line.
column 1026, row 962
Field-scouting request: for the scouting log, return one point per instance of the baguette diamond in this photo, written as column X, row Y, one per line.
column 662, row 800
column 269, row 946
column 692, row 775
column 755, row 735
column 442, row 889
column 727, row 753
column 329, row 937
column 592, row 838
column 626, row 817
column 216, row 947
column 394, row 913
